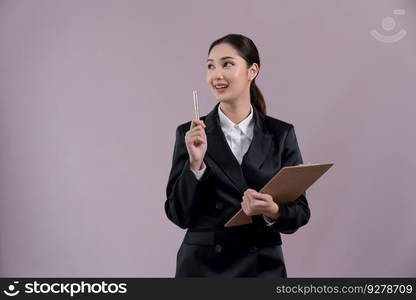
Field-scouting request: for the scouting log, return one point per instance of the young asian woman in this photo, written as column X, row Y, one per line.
column 219, row 164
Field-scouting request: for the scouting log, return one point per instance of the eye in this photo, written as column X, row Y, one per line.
column 227, row 62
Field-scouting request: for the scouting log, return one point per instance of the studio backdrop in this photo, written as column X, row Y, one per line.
column 91, row 93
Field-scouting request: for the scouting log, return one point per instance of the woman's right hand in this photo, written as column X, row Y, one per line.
column 196, row 143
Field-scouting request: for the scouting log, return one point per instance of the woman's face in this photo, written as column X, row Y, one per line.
column 226, row 68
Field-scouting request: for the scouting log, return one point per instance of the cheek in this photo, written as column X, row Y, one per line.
column 239, row 79
column 237, row 85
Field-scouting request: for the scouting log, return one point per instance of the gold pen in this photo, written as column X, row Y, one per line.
column 196, row 104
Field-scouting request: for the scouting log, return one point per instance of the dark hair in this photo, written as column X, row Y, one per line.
column 248, row 51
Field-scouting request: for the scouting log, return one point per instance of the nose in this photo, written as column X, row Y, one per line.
column 217, row 74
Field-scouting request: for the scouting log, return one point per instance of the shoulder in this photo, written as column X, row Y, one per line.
column 184, row 127
column 277, row 126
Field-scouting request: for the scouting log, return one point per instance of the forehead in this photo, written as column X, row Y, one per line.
column 222, row 50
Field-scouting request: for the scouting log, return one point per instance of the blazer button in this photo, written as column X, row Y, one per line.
column 218, row 248
column 253, row 249
column 219, row 205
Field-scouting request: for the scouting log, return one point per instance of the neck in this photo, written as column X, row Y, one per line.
column 237, row 110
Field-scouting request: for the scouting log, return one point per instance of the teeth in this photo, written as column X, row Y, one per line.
column 220, row 86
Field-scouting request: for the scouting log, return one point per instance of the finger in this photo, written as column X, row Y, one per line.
column 252, row 193
column 196, row 135
column 196, row 122
column 244, row 198
column 192, row 137
column 250, row 200
column 247, row 191
column 258, row 207
column 197, row 128
column 245, row 208
column 195, row 132
column 245, row 195
column 260, row 196
column 200, row 122
column 249, row 197
column 197, row 140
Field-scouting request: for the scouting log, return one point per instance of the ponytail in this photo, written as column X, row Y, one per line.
column 256, row 97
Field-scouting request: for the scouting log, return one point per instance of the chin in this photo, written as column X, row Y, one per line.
column 223, row 98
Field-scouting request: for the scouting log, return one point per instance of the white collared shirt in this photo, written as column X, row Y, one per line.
column 238, row 136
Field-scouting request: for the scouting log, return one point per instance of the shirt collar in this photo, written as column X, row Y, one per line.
column 227, row 124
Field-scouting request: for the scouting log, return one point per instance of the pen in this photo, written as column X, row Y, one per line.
column 196, row 104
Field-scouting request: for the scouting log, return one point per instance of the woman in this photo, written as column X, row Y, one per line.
column 220, row 162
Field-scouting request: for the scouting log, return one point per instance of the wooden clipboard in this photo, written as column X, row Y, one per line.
column 285, row 187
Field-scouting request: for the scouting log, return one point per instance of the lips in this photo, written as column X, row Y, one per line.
column 221, row 86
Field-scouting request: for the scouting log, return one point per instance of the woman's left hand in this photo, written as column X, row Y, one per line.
column 255, row 203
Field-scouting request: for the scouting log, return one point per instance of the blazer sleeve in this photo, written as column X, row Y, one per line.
column 296, row 214
column 184, row 192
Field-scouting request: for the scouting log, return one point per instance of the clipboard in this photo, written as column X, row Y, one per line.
column 285, row 187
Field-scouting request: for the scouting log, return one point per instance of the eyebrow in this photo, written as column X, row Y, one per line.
column 222, row 58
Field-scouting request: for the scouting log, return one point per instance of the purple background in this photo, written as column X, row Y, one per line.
column 91, row 93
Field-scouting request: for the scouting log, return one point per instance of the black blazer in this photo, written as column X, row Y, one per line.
column 204, row 206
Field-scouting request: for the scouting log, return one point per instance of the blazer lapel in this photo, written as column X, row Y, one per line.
column 257, row 153
column 261, row 143
column 220, row 152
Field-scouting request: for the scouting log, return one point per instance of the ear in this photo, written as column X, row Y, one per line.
column 253, row 71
